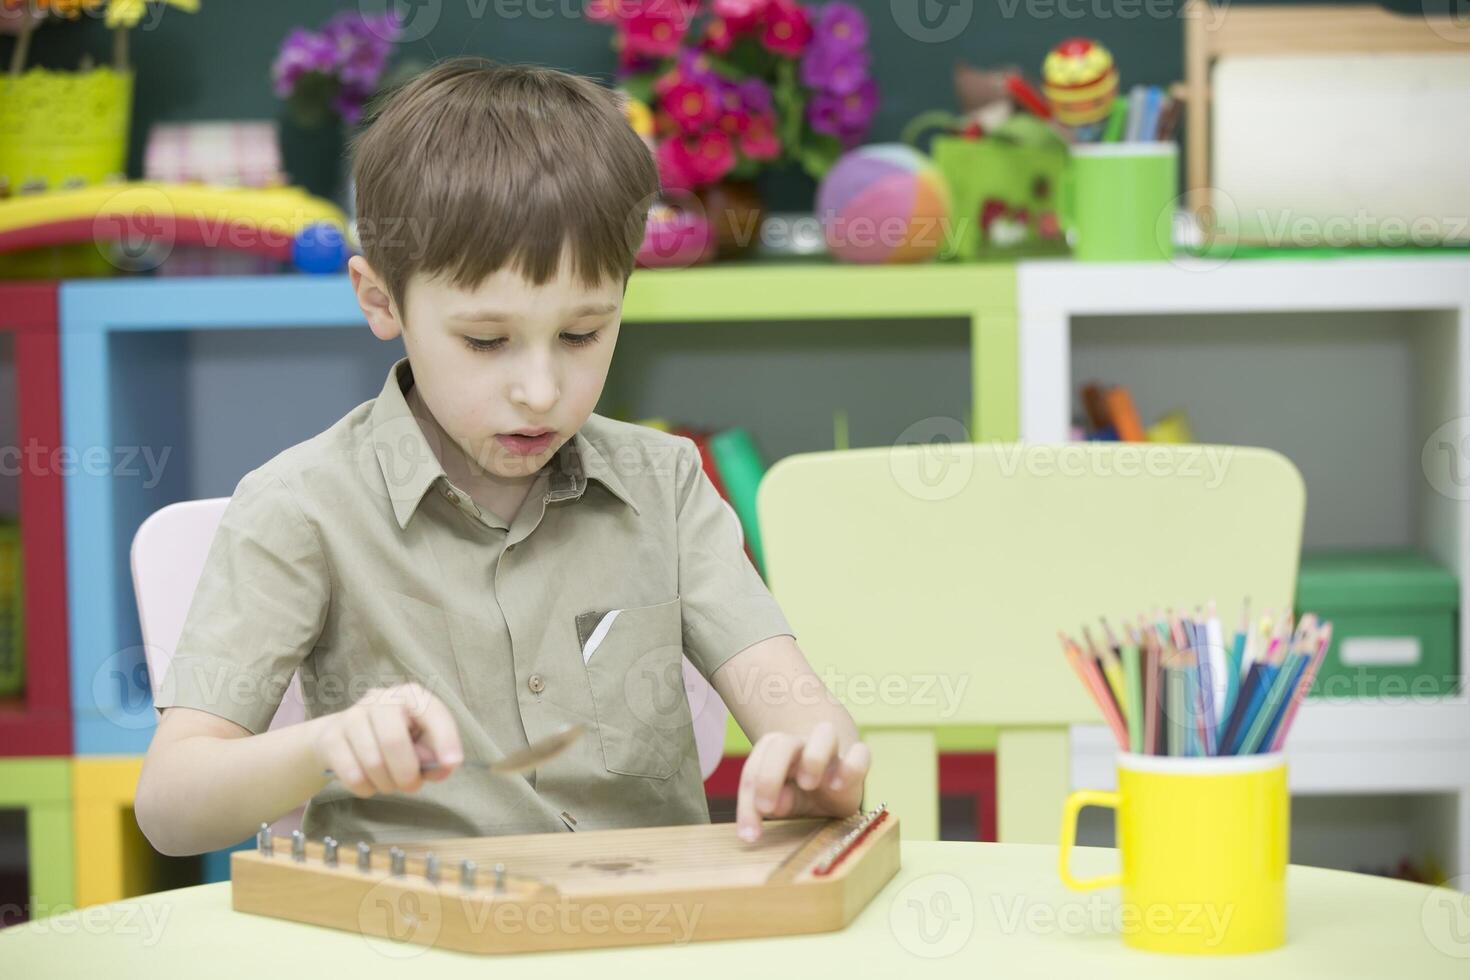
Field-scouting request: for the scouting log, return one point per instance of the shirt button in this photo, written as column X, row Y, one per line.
column 536, row 684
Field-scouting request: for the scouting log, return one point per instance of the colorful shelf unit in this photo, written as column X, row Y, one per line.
column 42, row 789
column 37, row 722
column 1358, row 368
column 124, row 349
column 113, row 858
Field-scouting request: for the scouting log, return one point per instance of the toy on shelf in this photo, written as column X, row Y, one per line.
column 677, row 234
column 1004, row 157
column 1112, row 416
column 885, row 203
column 140, row 222
column 1081, row 81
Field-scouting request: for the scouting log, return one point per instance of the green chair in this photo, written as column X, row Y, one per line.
column 926, row 585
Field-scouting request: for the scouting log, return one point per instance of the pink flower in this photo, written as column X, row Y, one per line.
column 718, row 36
column 690, row 105
column 788, row 29
column 741, row 15
column 656, row 30
column 712, row 156
column 758, row 139
column 675, row 172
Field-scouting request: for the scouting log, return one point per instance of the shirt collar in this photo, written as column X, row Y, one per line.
column 409, row 466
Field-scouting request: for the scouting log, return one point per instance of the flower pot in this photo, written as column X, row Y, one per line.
column 58, row 130
column 313, row 155
column 736, row 211
column 61, row 129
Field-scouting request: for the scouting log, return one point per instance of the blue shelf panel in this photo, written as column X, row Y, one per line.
column 124, row 347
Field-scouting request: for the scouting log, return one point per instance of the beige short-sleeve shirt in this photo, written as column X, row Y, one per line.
column 352, row 559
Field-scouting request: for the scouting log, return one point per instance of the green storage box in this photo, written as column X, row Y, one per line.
column 1395, row 632
column 12, row 608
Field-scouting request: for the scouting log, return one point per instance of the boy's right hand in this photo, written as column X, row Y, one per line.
column 378, row 744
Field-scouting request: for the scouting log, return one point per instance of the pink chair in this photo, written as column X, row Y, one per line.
column 168, row 556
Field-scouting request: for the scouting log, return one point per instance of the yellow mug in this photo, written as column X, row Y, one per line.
column 1203, row 844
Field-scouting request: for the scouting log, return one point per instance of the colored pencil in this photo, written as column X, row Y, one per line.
column 1133, row 681
column 1091, row 677
column 1324, row 640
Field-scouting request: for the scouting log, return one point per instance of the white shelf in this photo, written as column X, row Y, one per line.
column 1335, row 748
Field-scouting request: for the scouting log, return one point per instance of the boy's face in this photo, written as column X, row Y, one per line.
column 504, row 358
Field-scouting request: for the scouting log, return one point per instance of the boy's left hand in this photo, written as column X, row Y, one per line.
column 786, row 775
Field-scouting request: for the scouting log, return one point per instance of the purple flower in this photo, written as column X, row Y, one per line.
column 823, row 111
column 857, row 108
column 302, row 52
column 350, row 49
column 842, row 25
column 830, row 68
column 755, row 95
column 844, row 116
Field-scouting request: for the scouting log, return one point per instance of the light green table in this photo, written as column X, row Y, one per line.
column 955, row 909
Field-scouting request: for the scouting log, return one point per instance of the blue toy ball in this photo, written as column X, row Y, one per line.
column 319, row 248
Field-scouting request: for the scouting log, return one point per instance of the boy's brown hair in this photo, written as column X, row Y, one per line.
column 472, row 167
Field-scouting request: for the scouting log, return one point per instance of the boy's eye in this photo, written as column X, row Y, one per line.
column 571, row 339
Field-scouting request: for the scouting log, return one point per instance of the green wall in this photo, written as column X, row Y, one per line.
column 215, row 64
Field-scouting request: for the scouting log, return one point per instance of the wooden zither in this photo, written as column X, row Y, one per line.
column 641, row 886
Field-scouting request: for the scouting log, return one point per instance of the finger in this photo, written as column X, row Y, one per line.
column 343, row 763
column 820, row 748
column 775, row 768
column 436, row 727
column 747, row 820
column 390, row 728
column 854, row 768
column 438, row 772
column 364, row 743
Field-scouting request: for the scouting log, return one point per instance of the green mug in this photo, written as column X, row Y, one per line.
column 1119, row 199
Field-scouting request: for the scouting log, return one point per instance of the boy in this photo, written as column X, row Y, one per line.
column 441, row 565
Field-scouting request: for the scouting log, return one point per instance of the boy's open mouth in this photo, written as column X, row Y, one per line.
column 526, row 445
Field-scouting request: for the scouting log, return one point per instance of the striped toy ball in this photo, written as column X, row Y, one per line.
column 884, row 203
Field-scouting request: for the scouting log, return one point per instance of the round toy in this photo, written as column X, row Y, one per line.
column 884, row 203
column 319, row 248
column 1081, row 81
column 676, row 238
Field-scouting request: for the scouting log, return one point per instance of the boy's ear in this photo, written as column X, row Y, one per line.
column 379, row 308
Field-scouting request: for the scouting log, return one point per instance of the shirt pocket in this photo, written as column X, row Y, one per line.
column 637, row 679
